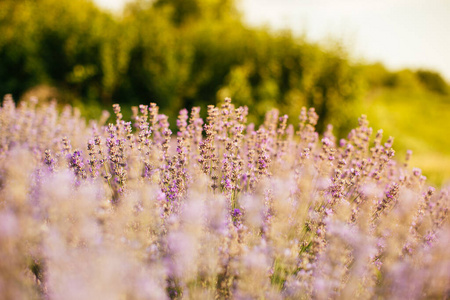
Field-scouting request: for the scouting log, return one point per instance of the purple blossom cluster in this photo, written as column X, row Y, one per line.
column 221, row 209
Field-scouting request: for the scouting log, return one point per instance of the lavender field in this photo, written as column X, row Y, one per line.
column 219, row 209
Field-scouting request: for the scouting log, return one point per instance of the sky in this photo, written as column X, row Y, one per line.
column 399, row 33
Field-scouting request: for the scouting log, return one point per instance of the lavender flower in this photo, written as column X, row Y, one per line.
column 221, row 209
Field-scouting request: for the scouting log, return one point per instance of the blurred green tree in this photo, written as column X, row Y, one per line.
column 433, row 81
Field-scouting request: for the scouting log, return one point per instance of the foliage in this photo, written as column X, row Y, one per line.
column 433, row 81
column 176, row 53
column 53, row 42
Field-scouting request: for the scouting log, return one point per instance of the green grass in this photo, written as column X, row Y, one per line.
column 419, row 121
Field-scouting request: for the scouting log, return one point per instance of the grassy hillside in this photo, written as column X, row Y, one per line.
column 420, row 121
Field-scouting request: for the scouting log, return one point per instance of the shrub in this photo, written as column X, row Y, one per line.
column 433, row 81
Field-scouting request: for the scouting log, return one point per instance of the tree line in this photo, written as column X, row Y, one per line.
column 180, row 53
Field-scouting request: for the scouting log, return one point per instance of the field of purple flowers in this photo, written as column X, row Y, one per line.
column 219, row 210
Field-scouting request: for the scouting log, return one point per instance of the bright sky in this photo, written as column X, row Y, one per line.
column 399, row 33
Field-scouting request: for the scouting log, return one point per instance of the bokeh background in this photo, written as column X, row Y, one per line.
column 386, row 59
